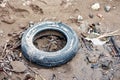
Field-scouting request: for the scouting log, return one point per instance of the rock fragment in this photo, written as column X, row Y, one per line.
column 96, row 6
column 107, row 8
column 18, row 66
column 84, row 27
column 22, row 26
column 100, row 16
column 80, row 18
column 106, row 65
column 1, row 32
column 91, row 15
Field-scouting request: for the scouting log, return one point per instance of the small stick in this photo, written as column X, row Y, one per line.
column 115, row 46
column 113, row 51
column 5, row 55
column 85, row 43
column 114, row 33
column 5, row 46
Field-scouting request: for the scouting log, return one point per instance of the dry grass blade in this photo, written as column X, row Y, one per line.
column 39, row 77
column 114, row 33
column 5, row 46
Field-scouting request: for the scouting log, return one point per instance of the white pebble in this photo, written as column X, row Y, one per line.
column 95, row 6
column 107, row 8
column 80, row 18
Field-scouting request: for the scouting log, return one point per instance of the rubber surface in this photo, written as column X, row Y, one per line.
column 49, row 59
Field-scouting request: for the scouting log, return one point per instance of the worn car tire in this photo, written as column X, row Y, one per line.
column 49, row 59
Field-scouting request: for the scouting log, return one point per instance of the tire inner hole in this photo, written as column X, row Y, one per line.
column 50, row 40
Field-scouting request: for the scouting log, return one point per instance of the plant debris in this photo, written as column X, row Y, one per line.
column 50, row 41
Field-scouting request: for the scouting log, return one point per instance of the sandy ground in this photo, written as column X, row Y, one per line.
column 18, row 13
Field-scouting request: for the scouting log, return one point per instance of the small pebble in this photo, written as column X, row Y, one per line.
column 106, row 65
column 96, row 6
column 107, row 8
column 98, row 23
column 1, row 32
column 31, row 23
column 91, row 15
column 100, row 15
column 18, row 66
column 9, row 34
column 114, row 7
column 80, row 18
column 21, row 26
column 84, row 27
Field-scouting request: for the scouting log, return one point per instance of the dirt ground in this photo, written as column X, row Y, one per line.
column 17, row 14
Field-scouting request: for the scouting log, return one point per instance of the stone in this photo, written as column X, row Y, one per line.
column 18, row 66
column 80, row 18
column 114, row 7
column 31, row 23
column 107, row 8
column 105, row 65
column 96, row 6
column 98, row 23
column 91, row 15
column 84, row 27
column 22, row 26
column 1, row 32
column 100, row 16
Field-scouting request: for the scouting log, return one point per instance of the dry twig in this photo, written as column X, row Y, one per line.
column 114, row 33
column 5, row 46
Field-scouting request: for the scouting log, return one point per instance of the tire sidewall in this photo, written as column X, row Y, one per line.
column 49, row 58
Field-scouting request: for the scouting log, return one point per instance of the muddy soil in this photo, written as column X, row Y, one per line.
column 96, row 64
